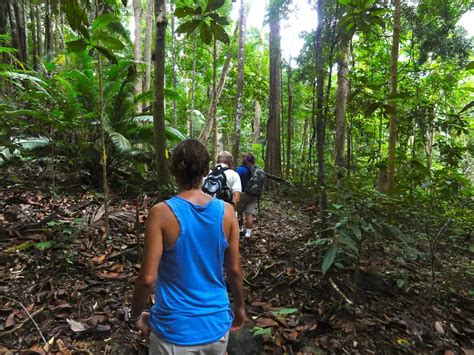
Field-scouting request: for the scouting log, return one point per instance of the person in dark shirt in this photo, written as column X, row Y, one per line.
column 248, row 203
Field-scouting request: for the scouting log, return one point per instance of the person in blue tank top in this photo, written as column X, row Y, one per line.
column 189, row 240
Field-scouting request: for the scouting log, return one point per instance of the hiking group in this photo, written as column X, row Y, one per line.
column 191, row 254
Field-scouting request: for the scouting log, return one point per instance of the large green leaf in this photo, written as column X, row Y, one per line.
column 213, row 5
column 470, row 66
column 109, row 41
column 328, row 259
column 173, row 134
column 103, row 21
column 76, row 46
column 184, row 11
column 188, row 27
column 221, row 20
column 205, row 32
column 121, row 143
column 219, row 33
column 105, row 51
column 26, row 143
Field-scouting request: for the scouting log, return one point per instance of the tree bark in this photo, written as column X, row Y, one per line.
column 173, row 66
column 193, row 86
column 34, row 44
column 15, row 41
column 240, row 84
column 48, row 38
column 256, row 122
column 4, row 11
column 148, row 45
column 289, row 123
column 39, row 32
column 340, row 113
column 392, row 140
column 137, row 47
column 21, row 30
column 163, row 172
column 273, row 153
column 320, row 119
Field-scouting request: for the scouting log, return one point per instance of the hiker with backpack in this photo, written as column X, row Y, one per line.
column 253, row 180
column 223, row 182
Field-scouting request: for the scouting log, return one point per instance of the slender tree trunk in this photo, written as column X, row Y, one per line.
column 211, row 112
column 34, row 44
column 273, row 153
column 193, row 87
column 164, row 176
column 39, row 32
column 240, row 84
column 48, row 38
column 173, row 66
column 4, row 11
column 15, row 41
column 320, row 119
column 289, row 123
column 392, row 140
column 256, row 122
column 137, row 46
column 214, row 152
column 148, row 45
column 341, row 101
column 20, row 27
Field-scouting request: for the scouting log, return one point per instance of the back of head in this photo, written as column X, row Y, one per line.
column 190, row 163
column 248, row 159
column 224, row 157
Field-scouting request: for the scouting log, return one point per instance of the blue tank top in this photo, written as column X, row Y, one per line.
column 191, row 302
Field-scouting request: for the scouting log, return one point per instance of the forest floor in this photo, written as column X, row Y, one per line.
column 57, row 269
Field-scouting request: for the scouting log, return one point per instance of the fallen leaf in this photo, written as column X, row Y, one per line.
column 37, row 349
column 265, row 322
column 439, row 328
column 10, row 322
column 117, row 267
column 99, row 259
column 109, row 275
column 77, row 326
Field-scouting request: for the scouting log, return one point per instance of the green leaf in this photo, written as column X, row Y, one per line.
column 470, row 66
column 110, row 56
column 171, row 94
column 173, row 134
column 121, row 143
column 221, row 20
column 256, row 331
column 219, row 33
column 329, row 258
column 205, row 32
column 284, row 311
column 44, row 245
column 74, row 14
column 76, row 46
column 356, row 231
column 102, row 21
column 184, row 11
column 213, row 5
column 109, row 41
column 344, row 2
column 83, row 30
column 188, row 27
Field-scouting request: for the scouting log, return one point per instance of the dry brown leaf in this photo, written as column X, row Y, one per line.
column 439, row 327
column 265, row 322
column 77, row 326
column 117, row 267
column 99, row 259
column 109, row 275
column 37, row 349
column 10, row 322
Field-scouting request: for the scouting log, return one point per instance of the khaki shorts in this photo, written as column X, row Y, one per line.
column 247, row 204
column 159, row 346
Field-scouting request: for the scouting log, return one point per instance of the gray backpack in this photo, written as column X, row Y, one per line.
column 256, row 184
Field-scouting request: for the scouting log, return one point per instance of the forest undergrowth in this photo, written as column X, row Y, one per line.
column 63, row 283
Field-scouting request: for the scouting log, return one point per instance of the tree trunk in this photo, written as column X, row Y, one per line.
column 15, row 41
column 20, row 27
column 39, row 33
column 173, row 66
column 214, row 99
column 273, row 153
column 148, row 45
column 320, row 120
column 48, row 38
column 162, row 167
column 34, row 44
column 392, row 139
column 137, row 47
column 256, row 122
column 4, row 11
column 211, row 112
column 289, row 123
column 193, row 87
column 240, row 84
column 341, row 101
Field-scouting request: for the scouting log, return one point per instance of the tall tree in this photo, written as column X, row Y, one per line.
column 34, row 37
column 256, row 122
column 240, row 84
column 340, row 112
column 193, row 86
column 48, row 28
column 18, row 10
column 273, row 152
column 163, row 172
column 137, row 45
column 289, row 122
column 392, row 140
column 39, row 32
column 320, row 119
column 4, row 5
column 14, row 32
column 148, row 44
column 173, row 66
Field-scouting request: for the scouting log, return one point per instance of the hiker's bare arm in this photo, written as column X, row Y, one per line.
column 234, row 269
column 153, row 249
column 236, row 198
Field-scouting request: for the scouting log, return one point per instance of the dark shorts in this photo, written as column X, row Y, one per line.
column 247, row 204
